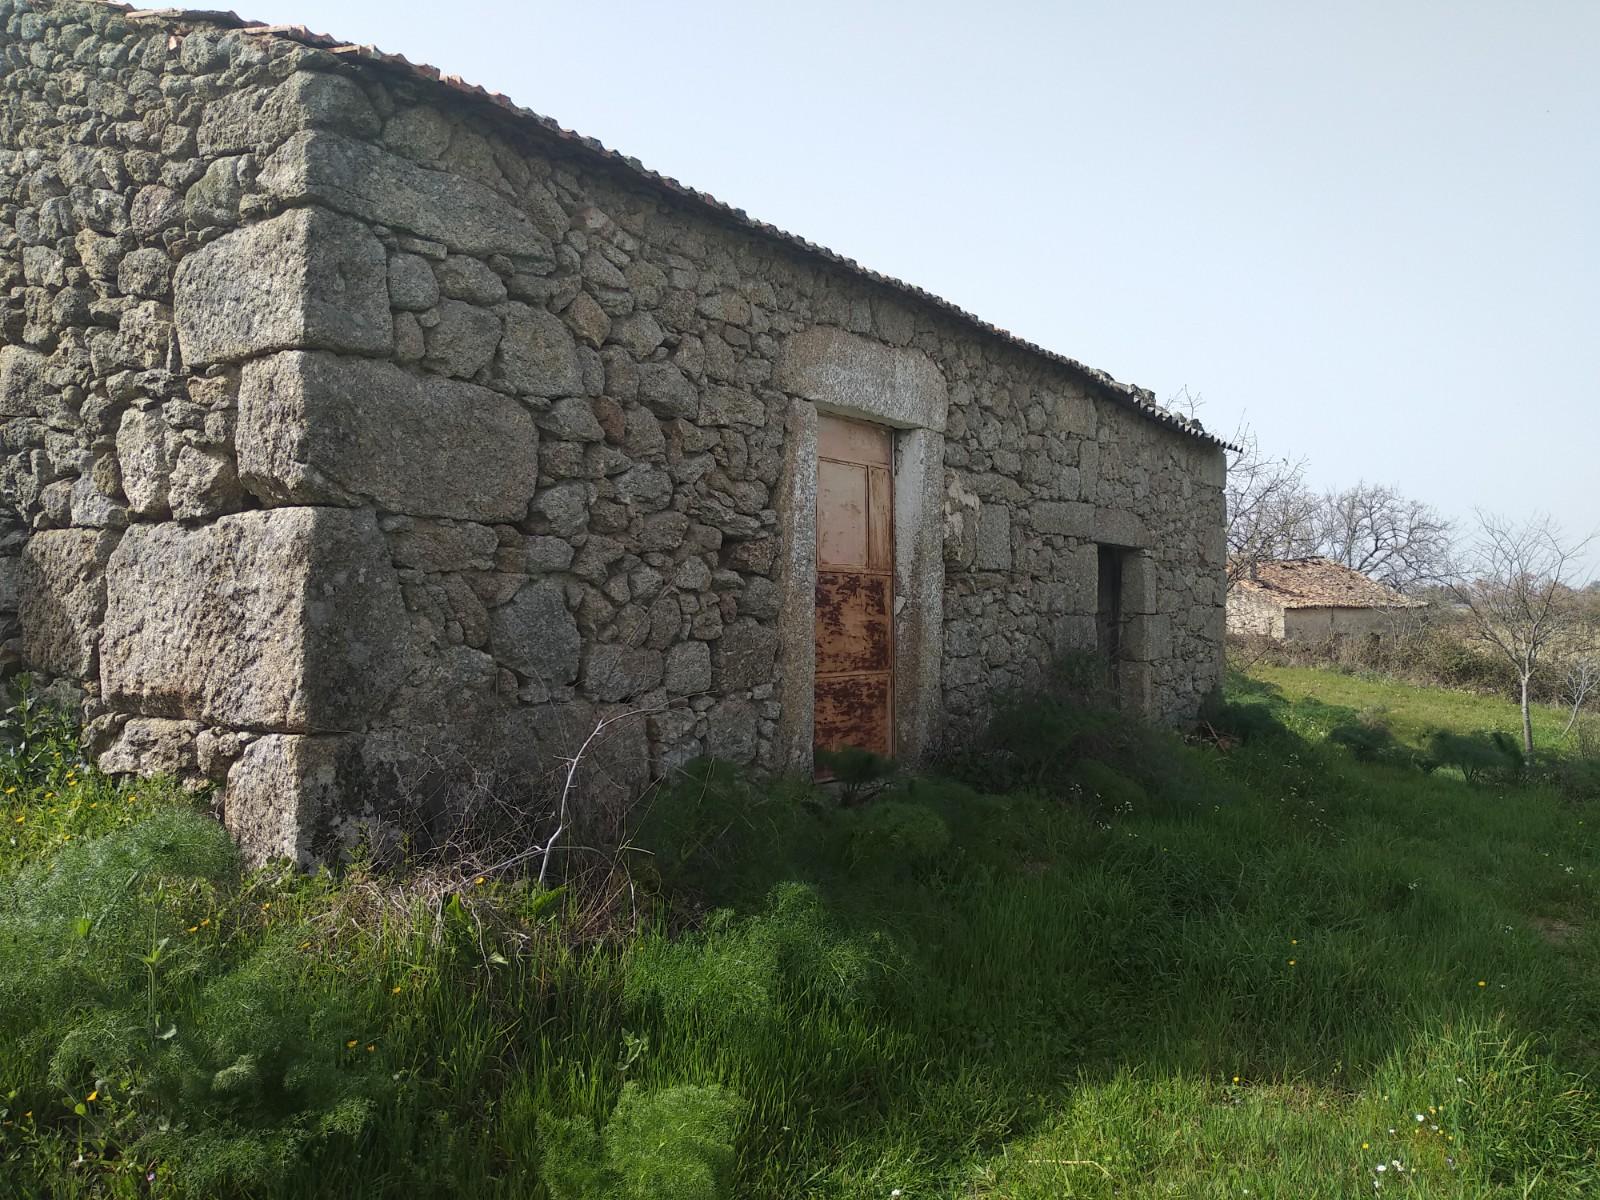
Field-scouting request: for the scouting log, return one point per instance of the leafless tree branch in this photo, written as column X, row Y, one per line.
column 1374, row 529
column 1515, row 585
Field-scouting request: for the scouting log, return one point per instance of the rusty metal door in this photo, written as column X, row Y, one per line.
column 855, row 586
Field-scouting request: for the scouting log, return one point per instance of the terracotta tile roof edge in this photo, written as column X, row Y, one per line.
column 1141, row 400
column 1278, row 586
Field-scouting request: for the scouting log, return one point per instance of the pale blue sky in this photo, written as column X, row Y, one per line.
column 1371, row 228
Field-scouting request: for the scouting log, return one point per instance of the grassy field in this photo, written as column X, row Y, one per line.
column 1412, row 712
column 1126, row 967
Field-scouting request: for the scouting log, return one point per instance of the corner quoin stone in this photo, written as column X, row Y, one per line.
column 364, row 181
column 308, row 279
column 253, row 118
column 286, row 793
column 318, row 428
column 286, row 620
column 62, row 597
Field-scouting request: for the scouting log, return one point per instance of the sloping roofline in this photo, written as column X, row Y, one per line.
column 1315, row 582
column 1141, row 400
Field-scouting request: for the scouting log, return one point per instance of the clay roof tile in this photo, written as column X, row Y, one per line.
column 1321, row 583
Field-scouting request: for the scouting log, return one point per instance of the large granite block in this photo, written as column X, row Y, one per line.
column 287, row 620
column 62, row 597
column 367, row 182
column 259, row 118
column 308, row 279
column 856, row 376
column 288, row 795
column 319, row 428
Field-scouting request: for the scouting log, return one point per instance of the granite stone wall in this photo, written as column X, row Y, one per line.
column 1250, row 614
column 357, row 433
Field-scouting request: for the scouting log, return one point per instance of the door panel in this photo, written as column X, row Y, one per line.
column 853, row 622
column 842, row 529
column 854, row 710
column 852, row 441
column 880, row 531
column 855, row 586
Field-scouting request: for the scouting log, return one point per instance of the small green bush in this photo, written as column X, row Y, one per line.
column 1031, row 744
column 1372, row 741
column 229, row 1068
column 38, row 741
column 1493, row 757
column 675, row 1143
column 709, row 830
column 737, row 975
column 1034, row 743
column 896, row 834
column 1575, row 776
column 1246, row 722
column 859, row 774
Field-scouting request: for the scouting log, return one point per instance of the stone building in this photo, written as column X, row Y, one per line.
column 1313, row 600
column 360, row 429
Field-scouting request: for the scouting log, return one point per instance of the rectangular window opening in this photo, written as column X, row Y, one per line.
column 1109, row 617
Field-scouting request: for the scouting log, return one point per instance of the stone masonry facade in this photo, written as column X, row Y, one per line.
column 356, row 431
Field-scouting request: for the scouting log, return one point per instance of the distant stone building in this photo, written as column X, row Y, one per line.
column 1312, row 600
column 361, row 431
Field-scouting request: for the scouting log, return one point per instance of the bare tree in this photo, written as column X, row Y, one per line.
column 1271, row 514
column 1580, row 682
column 1373, row 529
column 1515, row 586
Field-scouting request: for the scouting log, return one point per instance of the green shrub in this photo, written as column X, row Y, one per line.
column 127, row 1014
column 1110, row 787
column 710, row 830
column 1494, row 756
column 737, row 975
column 1030, row 745
column 1575, row 775
column 38, row 741
column 897, row 834
column 1034, row 744
column 1372, row 741
column 672, row 1144
column 1245, row 722
column 73, row 928
column 859, row 774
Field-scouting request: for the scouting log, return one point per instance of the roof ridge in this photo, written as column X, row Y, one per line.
column 1328, row 584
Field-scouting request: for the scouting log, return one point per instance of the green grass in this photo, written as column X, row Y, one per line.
column 1251, row 968
column 1411, row 712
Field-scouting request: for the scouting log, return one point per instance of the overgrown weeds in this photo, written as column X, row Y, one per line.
column 1102, row 962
